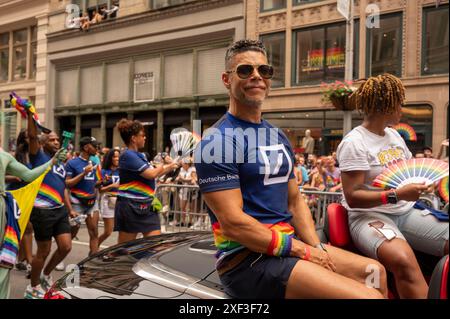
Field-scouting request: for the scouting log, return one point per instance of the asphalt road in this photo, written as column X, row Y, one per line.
column 80, row 249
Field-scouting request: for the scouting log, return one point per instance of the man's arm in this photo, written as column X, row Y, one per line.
column 68, row 204
column 301, row 216
column 34, row 145
column 241, row 227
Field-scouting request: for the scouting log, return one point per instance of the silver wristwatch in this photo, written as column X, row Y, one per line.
column 321, row 246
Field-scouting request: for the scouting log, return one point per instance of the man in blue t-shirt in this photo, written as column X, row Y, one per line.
column 82, row 180
column 49, row 217
column 264, row 231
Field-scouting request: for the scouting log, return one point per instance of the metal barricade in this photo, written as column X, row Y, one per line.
column 318, row 202
column 183, row 208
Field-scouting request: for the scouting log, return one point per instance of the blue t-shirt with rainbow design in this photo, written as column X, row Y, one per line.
column 51, row 193
column 111, row 177
column 257, row 159
column 132, row 184
column 85, row 189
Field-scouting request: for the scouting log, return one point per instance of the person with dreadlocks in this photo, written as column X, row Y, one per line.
column 362, row 155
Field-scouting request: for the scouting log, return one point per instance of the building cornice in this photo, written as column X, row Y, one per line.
column 154, row 15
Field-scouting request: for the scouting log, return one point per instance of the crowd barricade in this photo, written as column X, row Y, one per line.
column 318, row 202
column 183, row 208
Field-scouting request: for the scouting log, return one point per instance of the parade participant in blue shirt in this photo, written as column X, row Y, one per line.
column 82, row 179
column 264, row 232
column 134, row 212
column 109, row 190
column 50, row 215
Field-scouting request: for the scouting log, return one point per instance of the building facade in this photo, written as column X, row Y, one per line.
column 306, row 42
column 23, row 62
column 156, row 61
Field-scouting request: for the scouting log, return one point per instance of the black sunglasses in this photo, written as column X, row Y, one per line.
column 244, row 71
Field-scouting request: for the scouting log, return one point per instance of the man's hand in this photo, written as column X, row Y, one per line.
column 322, row 258
column 60, row 156
column 73, row 213
column 89, row 168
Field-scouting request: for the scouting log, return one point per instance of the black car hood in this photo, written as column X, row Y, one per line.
column 128, row 270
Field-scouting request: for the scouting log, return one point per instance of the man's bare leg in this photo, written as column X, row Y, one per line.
column 311, row 281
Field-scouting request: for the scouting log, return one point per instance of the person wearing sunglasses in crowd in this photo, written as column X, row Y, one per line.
column 264, row 232
column 362, row 155
column 135, row 210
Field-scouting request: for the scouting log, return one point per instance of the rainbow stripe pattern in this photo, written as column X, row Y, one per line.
column 443, row 189
column 98, row 173
column 136, row 189
column 283, row 234
column 10, row 247
column 48, row 197
column 417, row 170
column 406, row 131
column 78, row 193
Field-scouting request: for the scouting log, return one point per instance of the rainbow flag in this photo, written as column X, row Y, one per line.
column 22, row 105
column 18, row 206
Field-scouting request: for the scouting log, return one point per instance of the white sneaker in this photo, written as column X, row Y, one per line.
column 34, row 292
column 60, row 266
column 46, row 282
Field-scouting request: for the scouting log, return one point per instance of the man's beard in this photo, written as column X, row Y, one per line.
column 244, row 100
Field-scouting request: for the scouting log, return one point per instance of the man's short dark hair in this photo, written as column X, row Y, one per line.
column 427, row 148
column 243, row 46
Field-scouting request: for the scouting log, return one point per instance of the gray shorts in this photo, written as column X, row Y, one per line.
column 422, row 232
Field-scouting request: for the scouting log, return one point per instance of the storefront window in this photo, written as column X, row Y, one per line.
column 320, row 54
column 276, row 46
column 385, row 46
column 420, row 117
column 326, row 127
column 435, row 40
column 267, row 5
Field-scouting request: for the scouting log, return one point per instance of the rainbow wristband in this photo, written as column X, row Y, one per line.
column 280, row 245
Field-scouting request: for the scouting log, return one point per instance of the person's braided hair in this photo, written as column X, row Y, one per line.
column 381, row 94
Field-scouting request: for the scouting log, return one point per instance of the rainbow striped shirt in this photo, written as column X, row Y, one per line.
column 51, row 193
column 132, row 185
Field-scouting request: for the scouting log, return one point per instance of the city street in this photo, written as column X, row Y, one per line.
column 80, row 248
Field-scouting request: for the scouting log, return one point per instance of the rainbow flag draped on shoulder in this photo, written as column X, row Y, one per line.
column 18, row 206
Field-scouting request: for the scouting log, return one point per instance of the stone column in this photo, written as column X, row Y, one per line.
column 77, row 131
column 160, row 131
column 103, row 129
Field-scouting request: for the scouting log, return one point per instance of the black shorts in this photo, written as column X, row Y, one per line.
column 128, row 221
column 48, row 223
column 257, row 276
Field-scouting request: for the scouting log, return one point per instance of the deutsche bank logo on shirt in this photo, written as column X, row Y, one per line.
column 59, row 170
column 90, row 176
column 277, row 164
column 115, row 179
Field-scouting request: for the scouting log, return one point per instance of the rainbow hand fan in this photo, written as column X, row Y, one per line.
column 417, row 170
column 406, row 131
column 443, row 189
